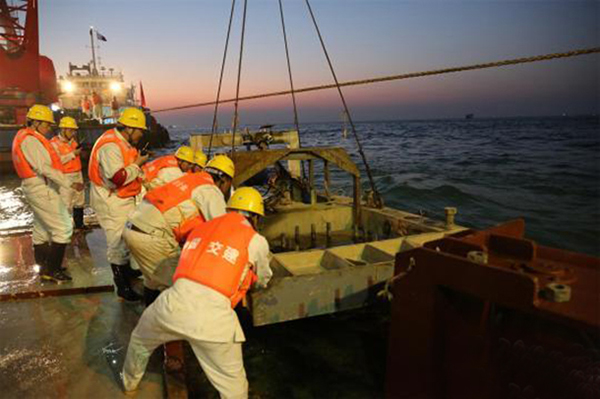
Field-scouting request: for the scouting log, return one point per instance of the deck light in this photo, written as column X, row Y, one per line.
column 115, row 87
column 68, row 86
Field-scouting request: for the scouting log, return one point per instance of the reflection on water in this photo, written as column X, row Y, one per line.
column 14, row 213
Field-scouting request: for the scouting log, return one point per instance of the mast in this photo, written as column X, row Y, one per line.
column 95, row 68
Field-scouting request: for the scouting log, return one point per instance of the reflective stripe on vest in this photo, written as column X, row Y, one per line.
column 176, row 192
column 216, row 255
column 151, row 169
column 64, row 148
column 22, row 167
column 129, row 155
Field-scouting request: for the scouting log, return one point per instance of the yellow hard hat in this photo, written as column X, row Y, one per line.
column 67, row 122
column 247, row 199
column 200, row 158
column 185, row 153
column 222, row 163
column 41, row 113
column 133, row 117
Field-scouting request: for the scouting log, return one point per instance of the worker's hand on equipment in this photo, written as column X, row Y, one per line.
column 141, row 159
column 77, row 186
column 77, row 151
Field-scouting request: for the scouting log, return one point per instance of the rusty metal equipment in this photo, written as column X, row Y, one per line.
column 329, row 250
column 491, row 314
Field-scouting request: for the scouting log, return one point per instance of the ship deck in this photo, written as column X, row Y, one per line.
column 65, row 340
column 70, row 340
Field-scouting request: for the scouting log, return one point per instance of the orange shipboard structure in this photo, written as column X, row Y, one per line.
column 26, row 77
column 491, row 314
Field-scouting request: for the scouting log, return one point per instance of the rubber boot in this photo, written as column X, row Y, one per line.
column 78, row 218
column 41, row 253
column 132, row 273
column 61, row 254
column 55, row 259
column 122, row 283
column 150, row 296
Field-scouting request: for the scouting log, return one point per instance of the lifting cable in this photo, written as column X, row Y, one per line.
column 376, row 197
column 289, row 65
column 237, row 90
column 515, row 61
column 214, row 123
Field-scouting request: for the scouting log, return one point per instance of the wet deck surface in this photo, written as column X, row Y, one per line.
column 85, row 259
column 56, row 342
column 68, row 346
column 66, row 340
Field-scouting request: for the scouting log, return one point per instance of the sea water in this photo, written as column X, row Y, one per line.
column 545, row 170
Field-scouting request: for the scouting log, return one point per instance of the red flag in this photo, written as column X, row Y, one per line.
column 142, row 96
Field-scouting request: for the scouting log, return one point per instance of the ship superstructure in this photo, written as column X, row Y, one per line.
column 98, row 85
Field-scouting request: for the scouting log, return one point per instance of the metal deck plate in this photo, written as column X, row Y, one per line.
column 69, row 347
column 85, row 259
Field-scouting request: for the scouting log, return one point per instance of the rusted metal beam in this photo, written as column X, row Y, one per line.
column 356, row 207
column 311, row 173
column 327, row 181
column 174, row 370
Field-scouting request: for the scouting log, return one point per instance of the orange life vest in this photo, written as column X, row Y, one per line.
column 64, row 148
column 22, row 167
column 129, row 155
column 174, row 193
column 151, row 169
column 216, row 255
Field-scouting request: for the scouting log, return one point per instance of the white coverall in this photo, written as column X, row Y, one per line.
column 112, row 211
column 164, row 176
column 158, row 251
column 51, row 220
column 71, row 198
column 202, row 316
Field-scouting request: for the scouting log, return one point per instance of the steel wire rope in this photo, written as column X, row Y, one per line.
column 289, row 66
column 237, row 90
column 515, row 61
column 214, row 123
column 377, row 198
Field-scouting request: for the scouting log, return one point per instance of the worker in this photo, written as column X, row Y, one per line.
column 199, row 161
column 169, row 167
column 40, row 169
column 162, row 221
column 114, row 106
column 67, row 148
column 116, row 176
column 222, row 171
column 86, row 107
column 220, row 261
column 97, row 107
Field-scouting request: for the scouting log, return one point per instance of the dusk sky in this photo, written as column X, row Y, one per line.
column 175, row 48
